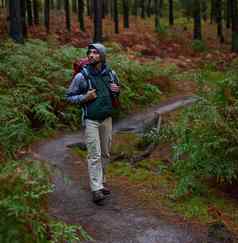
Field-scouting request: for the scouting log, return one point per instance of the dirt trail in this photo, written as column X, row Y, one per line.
column 114, row 222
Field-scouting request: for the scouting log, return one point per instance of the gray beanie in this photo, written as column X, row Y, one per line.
column 100, row 48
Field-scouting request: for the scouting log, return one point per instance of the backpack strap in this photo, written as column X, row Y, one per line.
column 86, row 76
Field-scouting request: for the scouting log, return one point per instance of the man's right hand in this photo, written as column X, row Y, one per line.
column 90, row 95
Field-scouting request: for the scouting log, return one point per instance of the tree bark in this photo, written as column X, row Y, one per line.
column 23, row 18
column 47, row 15
column 36, row 12
column 67, row 15
column 74, row 6
column 213, row 11
column 98, row 21
column 149, row 8
column 135, row 8
column 161, row 4
column 81, row 14
column 142, row 4
column 15, row 21
column 89, row 8
column 197, row 33
column 171, row 12
column 116, row 18
column 234, row 26
column 52, row 4
column 228, row 14
column 219, row 20
column 157, row 16
column 29, row 12
column 126, row 13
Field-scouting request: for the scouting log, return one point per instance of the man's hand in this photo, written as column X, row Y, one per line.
column 90, row 95
column 115, row 88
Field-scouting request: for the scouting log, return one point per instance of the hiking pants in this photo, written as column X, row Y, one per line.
column 98, row 140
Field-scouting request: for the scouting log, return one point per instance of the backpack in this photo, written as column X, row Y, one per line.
column 78, row 66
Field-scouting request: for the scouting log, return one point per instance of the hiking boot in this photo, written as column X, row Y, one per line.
column 105, row 191
column 98, row 196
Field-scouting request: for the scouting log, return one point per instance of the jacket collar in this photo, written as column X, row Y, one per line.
column 104, row 70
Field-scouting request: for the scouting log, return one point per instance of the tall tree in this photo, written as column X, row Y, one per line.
column 29, row 12
column 98, row 21
column 161, row 4
column 89, row 7
column 15, row 21
column 36, row 11
column 157, row 16
column 47, row 15
column 74, row 5
column 228, row 13
column 67, row 15
column 171, row 12
column 212, row 11
column 135, row 8
column 59, row 4
column 197, row 32
column 81, row 14
column 52, row 4
column 142, row 4
column 126, row 13
column 23, row 17
column 149, row 8
column 219, row 20
column 234, row 25
column 116, row 17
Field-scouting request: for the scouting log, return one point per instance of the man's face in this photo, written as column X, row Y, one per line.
column 94, row 56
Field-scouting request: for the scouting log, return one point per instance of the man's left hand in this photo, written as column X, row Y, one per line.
column 115, row 88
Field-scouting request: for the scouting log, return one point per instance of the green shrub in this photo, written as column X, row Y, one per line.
column 207, row 135
column 199, row 46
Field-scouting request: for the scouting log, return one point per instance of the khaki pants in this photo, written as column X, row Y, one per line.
column 98, row 140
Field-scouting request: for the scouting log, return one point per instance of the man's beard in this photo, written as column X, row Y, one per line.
column 94, row 62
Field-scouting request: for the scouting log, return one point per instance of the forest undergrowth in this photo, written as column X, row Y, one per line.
column 34, row 78
column 33, row 81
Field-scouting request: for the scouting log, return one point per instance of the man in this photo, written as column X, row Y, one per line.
column 94, row 88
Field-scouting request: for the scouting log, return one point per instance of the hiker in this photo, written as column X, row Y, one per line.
column 95, row 87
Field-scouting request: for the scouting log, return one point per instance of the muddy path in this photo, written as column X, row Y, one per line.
column 117, row 221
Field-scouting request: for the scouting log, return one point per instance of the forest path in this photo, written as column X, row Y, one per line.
column 115, row 221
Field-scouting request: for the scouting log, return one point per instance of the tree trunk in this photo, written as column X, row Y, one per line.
column 81, row 14
column 15, row 21
column 213, row 11
column 52, row 4
column 142, row 4
column 135, row 8
column 36, row 12
column 219, row 20
column 47, row 15
column 67, row 15
column 29, row 12
column 234, row 26
column 171, row 12
column 23, row 18
column 59, row 4
column 157, row 16
column 74, row 6
column 116, row 18
column 204, row 10
column 98, row 21
column 149, row 8
column 161, row 4
column 228, row 14
column 89, row 8
column 197, row 34
column 126, row 14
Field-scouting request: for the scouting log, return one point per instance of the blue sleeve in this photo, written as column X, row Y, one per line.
column 77, row 89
